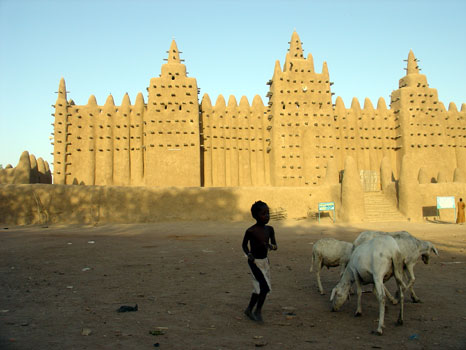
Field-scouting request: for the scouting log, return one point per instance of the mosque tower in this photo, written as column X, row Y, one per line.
column 300, row 104
column 171, row 127
column 420, row 119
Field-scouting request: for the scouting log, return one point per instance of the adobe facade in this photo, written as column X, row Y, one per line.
column 29, row 170
column 298, row 138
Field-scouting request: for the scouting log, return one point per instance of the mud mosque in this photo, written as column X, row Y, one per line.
column 173, row 140
column 173, row 157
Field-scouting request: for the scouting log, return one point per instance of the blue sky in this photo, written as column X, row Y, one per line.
column 230, row 47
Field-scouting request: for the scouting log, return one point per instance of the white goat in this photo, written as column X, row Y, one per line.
column 365, row 236
column 411, row 249
column 330, row 252
column 374, row 261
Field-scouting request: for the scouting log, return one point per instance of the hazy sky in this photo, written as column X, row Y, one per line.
column 230, row 47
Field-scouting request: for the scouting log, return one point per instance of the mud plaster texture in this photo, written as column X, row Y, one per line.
column 191, row 282
column 173, row 137
column 28, row 204
column 29, row 170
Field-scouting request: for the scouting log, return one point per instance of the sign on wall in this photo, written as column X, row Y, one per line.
column 327, row 206
column 446, row 203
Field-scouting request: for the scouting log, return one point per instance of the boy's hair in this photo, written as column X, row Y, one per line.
column 256, row 207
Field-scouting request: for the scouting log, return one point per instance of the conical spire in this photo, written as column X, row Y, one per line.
column 125, row 107
column 243, row 102
column 296, row 51
column 325, row 69
column 92, row 101
column 62, row 89
column 173, row 67
column 257, row 101
column 206, row 103
column 220, row 103
column 109, row 107
column 277, row 70
column 355, row 104
column 310, row 62
column 413, row 68
column 138, row 108
column 139, row 100
column 232, row 101
column 22, row 174
column 381, row 105
column 340, row 106
column 452, row 107
column 126, row 101
column 287, row 64
column 173, row 53
column 110, row 101
column 368, row 104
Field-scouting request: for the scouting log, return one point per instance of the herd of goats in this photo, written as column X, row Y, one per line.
column 373, row 258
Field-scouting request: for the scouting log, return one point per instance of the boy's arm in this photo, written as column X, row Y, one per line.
column 272, row 239
column 245, row 247
column 245, row 243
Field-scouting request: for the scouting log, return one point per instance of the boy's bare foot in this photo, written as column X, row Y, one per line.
column 249, row 313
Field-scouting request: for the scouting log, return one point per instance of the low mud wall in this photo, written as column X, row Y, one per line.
column 428, row 199
column 74, row 204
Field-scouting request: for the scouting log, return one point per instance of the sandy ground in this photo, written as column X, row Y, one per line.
column 61, row 286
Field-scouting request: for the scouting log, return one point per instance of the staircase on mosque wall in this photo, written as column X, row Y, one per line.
column 377, row 207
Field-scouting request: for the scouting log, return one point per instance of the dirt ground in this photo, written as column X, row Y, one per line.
column 61, row 286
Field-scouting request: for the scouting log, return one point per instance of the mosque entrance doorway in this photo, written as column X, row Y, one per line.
column 370, row 180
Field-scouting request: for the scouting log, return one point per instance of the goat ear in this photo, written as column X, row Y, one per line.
column 333, row 294
column 435, row 250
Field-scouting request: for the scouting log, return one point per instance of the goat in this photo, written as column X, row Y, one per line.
column 374, row 261
column 329, row 252
column 411, row 249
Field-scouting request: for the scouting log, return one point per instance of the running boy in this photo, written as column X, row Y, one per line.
column 258, row 236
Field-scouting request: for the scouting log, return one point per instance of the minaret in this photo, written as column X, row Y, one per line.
column 296, row 50
column 420, row 122
column 171, row 127
column 300, row 106
column 60, row 135
column 412, row 68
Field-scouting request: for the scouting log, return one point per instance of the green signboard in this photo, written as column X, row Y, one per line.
column 327, row 206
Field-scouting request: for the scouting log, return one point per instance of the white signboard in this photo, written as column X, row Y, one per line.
column 445, row 202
